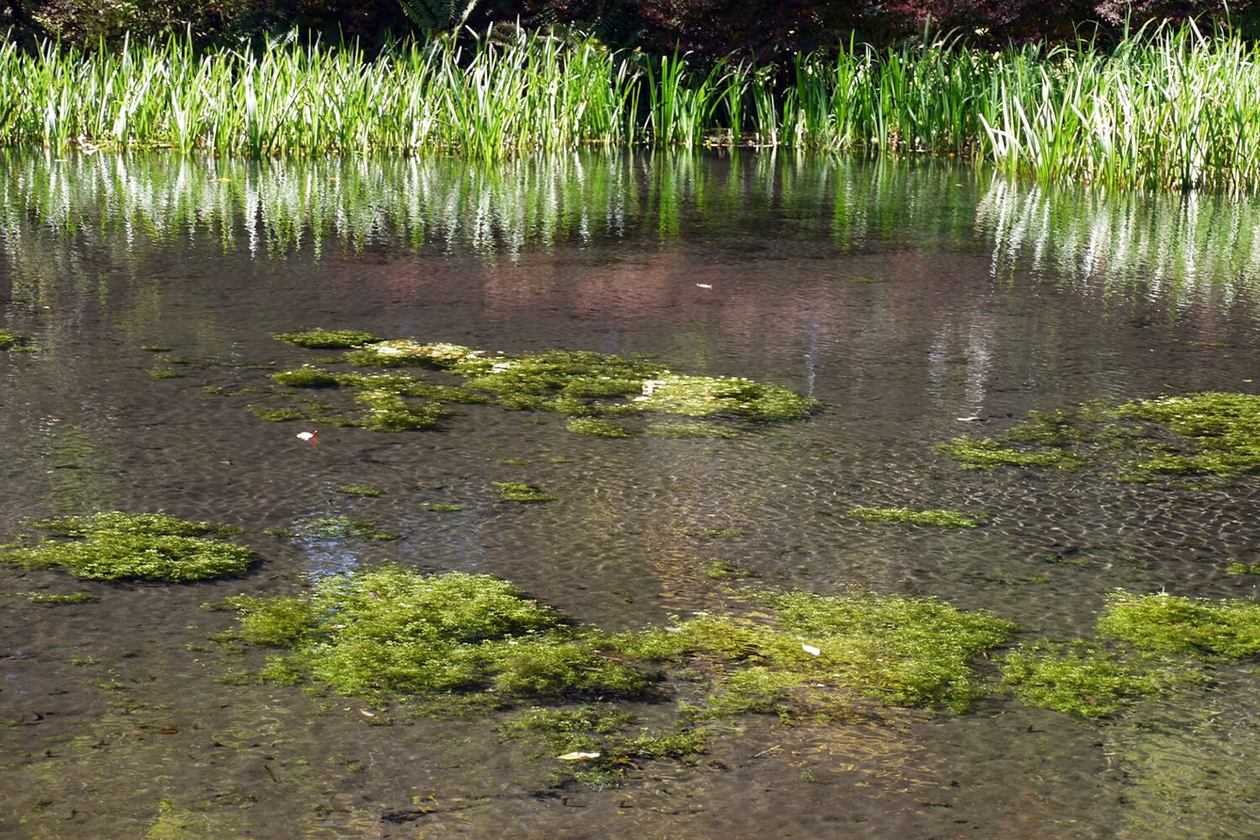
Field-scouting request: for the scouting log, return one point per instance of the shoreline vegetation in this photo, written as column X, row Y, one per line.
column 1167, row 108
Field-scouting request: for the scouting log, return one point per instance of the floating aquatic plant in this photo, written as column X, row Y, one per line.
column 585, row 386
column 53, row 599
column 821, row 652
column 320, row 338
column 1209, row 434
column 516, row 491
column 940, row 518
column 1085, row 678
column 360, row 490
column 396, row 632
column 119, row 546
column 7, row 339
column 1208, row 630
column 597, row 428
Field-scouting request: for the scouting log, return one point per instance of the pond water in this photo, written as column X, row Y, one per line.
column 917, row 302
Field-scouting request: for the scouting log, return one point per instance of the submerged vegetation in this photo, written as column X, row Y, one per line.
column 126, row 546
column 1212, row 434
column 940, row 518
column 321, row 338
column 1053, row 112
column 578, row 384
column 1150, row 645
column 460, row 641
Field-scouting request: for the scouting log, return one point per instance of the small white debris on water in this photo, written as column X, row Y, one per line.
column 811, row 650
column 705, row 285
column 578, row 756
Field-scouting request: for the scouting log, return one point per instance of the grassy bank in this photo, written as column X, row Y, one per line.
column 1166, row 109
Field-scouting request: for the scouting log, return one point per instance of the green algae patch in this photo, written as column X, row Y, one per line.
column 817, row 654
column 319, row 338
column 307, row 377
column 385, row 411
column 679, row 431
column 1206, row 630
column 719, row 569
column 8, row 338
column 1208, row 433
column 586, row 387
column 597, row 428
column 939, row 518
column 1086, row 678
column 360, row 490
column 516, row 491
column 1149, row 645
column 339, row 528
column 52, row 599
column 124, row 546
column 398, row 633
column 1211, row 434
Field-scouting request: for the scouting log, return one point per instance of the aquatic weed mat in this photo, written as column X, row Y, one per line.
column 114, row 545
column 1201, row 437
column 405, row 385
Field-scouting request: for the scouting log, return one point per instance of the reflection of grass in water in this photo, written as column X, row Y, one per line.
column 1211, row 434
column 123, row 546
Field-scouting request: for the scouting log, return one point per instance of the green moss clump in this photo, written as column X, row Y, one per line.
column 1085, row 679
column 55, row 600
column 320, row 338
column 395, row 632
column 900, row 651
column 440, row 506
column 389, row 412
column 910, row 651
column 940, row 518
column 597, row 428
column 360, row 490
column 702, row 396
column 987, row 454
column 690, row 430
column 163, row 373
column 399, row 352
column 307, row 377
column 155, row 348
column 515, row 491
column 718, row 569
column 1209, row 433
column 1219, row 432
column 7, row 339
column 1243, row 569
column 122, row 546
column 1210, row 631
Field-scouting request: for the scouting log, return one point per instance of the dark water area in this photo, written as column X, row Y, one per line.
column 918, row 303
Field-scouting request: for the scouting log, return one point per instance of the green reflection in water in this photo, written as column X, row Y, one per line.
column 1179, row 244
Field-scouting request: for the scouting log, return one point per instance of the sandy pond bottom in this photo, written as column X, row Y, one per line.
column 123, row 719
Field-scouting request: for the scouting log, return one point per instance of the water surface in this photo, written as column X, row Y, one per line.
column 916, row 302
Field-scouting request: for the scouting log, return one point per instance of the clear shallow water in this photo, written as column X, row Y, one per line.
column 904, row 298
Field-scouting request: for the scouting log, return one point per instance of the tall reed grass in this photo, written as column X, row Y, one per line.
column 1169, row 108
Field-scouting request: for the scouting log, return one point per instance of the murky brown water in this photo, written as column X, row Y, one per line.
column 988, row 301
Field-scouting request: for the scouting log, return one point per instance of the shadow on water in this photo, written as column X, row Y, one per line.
column 918, row 302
